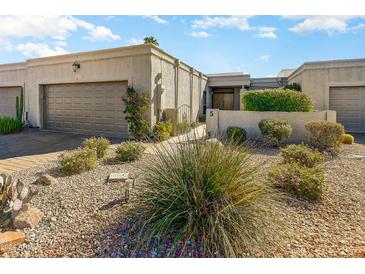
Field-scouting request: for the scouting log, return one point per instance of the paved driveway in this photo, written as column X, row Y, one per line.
column 34, row 142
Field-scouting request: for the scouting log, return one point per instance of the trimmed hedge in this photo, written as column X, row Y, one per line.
column 286, row 100
column 10, row 125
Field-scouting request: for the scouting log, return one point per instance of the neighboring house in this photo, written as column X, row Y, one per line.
column 333, row 85
column 336, row 85
column 82, row 92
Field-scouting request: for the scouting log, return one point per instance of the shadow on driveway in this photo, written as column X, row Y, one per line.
column 34, row 141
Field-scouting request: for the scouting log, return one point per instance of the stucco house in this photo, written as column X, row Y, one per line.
column 333, row 85
column 82, row 92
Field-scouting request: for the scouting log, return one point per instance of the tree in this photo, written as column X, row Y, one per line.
column 151, row 40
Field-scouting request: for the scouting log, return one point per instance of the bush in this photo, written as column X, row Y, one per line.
column 302, row 181
column 303, row 155
column 10, row 125
column 129, row 151
column 325, row 135
column 75, row 161
column 183, row 127
column 275, row 131
column 135, row 106
column 162, row 130
column 100, row 145
column 277, row 100
column 236, row 135
column 347, row 139
column 204, row 195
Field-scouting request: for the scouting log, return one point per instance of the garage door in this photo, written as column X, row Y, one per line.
column 349, row 103
column 8, row 100
column 89, row 108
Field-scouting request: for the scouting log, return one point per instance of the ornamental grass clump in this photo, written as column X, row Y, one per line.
column 100, row 145
column 209, row 195
column 10, row 125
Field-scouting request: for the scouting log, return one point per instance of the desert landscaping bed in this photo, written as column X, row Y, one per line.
column 85, row 216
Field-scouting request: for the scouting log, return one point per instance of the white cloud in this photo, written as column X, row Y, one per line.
column 39, row 49
column 358, row 27
column 135, row 41
column 57, row 28
column 267, row 32
column 329, row 24
column 101, row 33
column 108, row 18
column 239, row 22
column 156, row 18
column 265, row 58
column 200, row 34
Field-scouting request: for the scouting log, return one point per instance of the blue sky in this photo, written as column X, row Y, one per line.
column 259, row 45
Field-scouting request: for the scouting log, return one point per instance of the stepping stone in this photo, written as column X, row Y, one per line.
column 118, row 177
column 12, row 237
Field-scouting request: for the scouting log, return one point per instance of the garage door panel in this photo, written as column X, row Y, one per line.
column 349, row 104
column 90, row 108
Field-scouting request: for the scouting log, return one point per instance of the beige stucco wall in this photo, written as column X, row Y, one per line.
column 219, row 120
column 176, row 85
column 316, row 78
column 145, row 67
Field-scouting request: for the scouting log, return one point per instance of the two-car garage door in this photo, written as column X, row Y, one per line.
column 349, row 104
column 87, row 108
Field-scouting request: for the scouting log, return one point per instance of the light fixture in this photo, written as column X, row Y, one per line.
column 75, row 66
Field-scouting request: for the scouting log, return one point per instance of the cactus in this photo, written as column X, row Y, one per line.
column 19, row 107
column 14, row 197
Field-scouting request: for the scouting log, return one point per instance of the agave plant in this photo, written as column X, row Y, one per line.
column 14, row 197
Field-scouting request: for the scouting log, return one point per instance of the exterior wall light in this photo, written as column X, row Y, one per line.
column 75, row 66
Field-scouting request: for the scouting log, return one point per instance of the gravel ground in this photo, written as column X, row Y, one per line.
column 87, row 217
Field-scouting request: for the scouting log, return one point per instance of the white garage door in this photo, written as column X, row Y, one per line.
column 8, row 100
column 349, row 104
column 87, row 108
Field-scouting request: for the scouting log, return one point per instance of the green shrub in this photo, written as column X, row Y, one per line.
column 10, row 125
column 275, row 131
column 300, row 180
column 162, row 130
column 129, row 151
column 183, row 127
column 203, row 194
column 136, row 103
column 325, row 135
column 303, row 155
column 236, row 135
column 100, row 145
column 277, row 100
column 347, row 139
column 75, row 161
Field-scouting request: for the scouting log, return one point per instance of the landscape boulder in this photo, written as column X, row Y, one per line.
column 28, row 218
column 46, row 179
column 12, row 237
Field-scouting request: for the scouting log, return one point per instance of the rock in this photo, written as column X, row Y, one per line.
column 357, row 157
column 45, row 179
column 28, row 219
column 215, row 141
column 12, row 237
column 117, row 177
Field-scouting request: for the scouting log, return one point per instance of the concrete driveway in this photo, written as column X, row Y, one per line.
column 32, row 147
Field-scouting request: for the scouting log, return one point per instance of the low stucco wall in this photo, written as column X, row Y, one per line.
column 218, row 121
